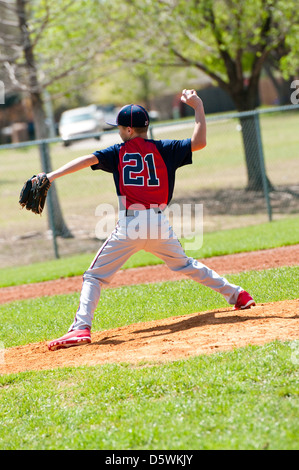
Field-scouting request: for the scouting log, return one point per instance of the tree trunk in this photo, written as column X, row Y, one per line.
column 55, row 220
column 60, row 226
column 39, row 117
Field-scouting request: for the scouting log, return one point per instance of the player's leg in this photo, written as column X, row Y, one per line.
column 169, row 249
column 117, row 249
column 109, row 259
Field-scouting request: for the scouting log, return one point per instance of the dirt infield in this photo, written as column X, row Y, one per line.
column 171, row 338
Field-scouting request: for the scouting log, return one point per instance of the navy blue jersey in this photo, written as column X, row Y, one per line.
column 144, row 169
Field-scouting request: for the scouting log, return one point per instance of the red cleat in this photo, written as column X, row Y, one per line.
column 244, row 301
column 73, row 338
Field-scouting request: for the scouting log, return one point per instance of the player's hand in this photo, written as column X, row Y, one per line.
column 191, row 98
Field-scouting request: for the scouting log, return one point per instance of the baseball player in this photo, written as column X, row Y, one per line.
column 144, row 175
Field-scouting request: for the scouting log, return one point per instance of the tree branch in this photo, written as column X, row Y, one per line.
column 203, row 68
column 233, row 71
column 262, row 51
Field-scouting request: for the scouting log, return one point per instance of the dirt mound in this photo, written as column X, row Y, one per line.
column 258, row 260
column 165, row 340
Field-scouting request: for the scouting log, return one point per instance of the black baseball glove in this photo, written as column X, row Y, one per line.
column 34, row 193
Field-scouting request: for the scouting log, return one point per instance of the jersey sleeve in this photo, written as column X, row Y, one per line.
column 177, row 152
column 107, row 159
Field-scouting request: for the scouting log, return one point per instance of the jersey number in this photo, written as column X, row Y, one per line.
column 134, row 166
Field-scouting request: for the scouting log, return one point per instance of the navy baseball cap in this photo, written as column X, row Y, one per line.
column 131, row 115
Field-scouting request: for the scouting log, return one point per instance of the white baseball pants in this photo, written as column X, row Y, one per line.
column 151, row 232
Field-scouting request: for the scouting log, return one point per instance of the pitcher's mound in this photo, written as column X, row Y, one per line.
column 166, row 340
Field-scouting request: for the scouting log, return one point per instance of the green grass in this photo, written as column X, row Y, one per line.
column 257, row 237
column 243, row 399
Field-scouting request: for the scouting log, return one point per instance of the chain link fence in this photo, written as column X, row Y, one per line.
column 220, row 178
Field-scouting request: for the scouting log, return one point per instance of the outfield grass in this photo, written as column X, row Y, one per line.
column 257, row 237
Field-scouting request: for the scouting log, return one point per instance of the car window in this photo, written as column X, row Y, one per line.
column 76, row 118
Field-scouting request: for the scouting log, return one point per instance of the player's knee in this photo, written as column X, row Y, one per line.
column 95, row 279
column 183, row 264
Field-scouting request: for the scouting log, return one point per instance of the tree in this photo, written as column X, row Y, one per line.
column 43, row 43
column 23, row 76
column 229, row 40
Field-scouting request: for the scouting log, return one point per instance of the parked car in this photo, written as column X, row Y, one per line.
column 110, row 114
column 80, row 121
